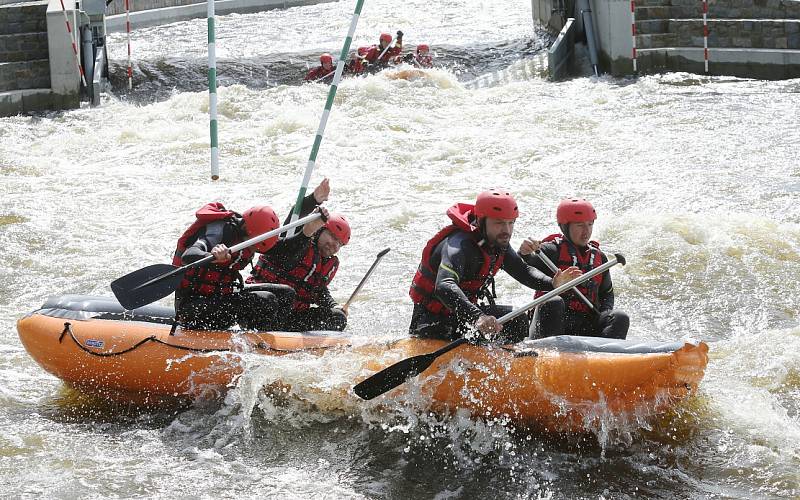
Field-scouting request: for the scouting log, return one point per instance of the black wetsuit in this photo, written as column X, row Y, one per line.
column 324, row 315
column 458, row 258
column 250, row 309
column 555, row 318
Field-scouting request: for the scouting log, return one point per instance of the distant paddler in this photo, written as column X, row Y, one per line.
column 324, row 72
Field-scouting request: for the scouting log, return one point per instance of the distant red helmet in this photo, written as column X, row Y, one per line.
column 340, row 228
column 422, row 48
column 326, row 58
column 496, row 203
column 259, row 220
column 362, row 51
column 575, row 210
column 386, row 37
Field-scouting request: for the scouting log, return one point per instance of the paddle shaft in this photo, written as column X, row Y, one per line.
column 235, row 248
column 566, row 286
column 366, row 276
column 552, row 267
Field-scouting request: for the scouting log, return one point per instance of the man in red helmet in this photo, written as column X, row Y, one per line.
column 211, row 297
column 324, row 72
column 458, row 267
column 592, row 315
column 298, row 271
column 422, row 57
column 379, row 56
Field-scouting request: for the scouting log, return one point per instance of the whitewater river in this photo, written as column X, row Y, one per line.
column 695, row 180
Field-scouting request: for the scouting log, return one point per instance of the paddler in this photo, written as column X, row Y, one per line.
column 458, row 268
column 592, row 315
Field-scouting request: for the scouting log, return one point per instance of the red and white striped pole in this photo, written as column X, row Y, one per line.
column 705, row 33
column 128, row 30
column 633, row 33
column 72, row 40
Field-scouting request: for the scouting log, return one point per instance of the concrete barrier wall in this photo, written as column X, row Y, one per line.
column 562, row 51
column 145, row 16
column 65, row 79
column 738, row 44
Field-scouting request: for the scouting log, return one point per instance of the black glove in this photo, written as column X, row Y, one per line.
column 408, row 57
column 399, row 34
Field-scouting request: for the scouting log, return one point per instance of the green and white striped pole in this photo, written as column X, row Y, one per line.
column 212, row 91
column 328, row 104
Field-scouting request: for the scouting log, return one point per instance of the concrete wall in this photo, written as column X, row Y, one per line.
column 65, row 79
column 153, row 16
column 670, row 36
column 612, row 21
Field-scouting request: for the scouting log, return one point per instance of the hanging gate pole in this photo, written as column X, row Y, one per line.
column 212, row 92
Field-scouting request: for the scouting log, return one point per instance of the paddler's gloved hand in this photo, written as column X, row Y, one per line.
column 408, row 57
column 487, row 328
column 315, row 225
column 399, row 35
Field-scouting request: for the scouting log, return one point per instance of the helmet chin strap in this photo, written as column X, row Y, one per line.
column 565, row 231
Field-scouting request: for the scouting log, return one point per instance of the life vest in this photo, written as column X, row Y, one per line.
column 210, row 279
column 425, row 61
column 569, row 256
column 317, row 74
column 424, row 282
column 356, row 66
column 306, row 278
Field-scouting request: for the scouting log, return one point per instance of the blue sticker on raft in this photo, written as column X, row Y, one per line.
column 94, row 343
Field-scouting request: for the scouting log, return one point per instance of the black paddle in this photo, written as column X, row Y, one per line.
column 154, row 282
column 364, row 279
column 396, row 374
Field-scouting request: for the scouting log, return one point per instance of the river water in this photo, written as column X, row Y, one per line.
column 695, row 179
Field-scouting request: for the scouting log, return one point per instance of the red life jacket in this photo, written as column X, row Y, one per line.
column 356, row 66
column 210, row 279
column 425, row 61
column 424, row 282
column 317, row 74
column 306, row 278
column 372, row 54
column 586, row 260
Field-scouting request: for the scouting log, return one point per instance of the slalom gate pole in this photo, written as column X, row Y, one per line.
column 212, row 92
column 312, row 159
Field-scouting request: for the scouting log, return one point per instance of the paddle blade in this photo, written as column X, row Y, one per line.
column 131, row 294
column 393, row 376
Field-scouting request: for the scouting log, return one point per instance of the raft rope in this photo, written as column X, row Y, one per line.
column 152, row 338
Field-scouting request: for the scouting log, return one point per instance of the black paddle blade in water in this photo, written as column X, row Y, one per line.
column 131, row 294
column 395, row 375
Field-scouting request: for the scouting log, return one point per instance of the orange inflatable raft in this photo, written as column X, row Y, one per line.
column 94, row 345
column 566, row 383
column 561, row 383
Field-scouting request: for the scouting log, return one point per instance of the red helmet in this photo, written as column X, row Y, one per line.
column 386, row 37
column 422, row 47
column 496, row 203
column 326, row 58
column 575, row 210
column 340, row 228
column 362, row 51
column 259, row 220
